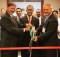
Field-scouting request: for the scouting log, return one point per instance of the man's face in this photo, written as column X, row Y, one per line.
column 55, row 14
column 59, row 14
column 29, row 10
column 38, row 13
column 47, row 10
column 11, row 9
column 3, row 11
column 18, row 12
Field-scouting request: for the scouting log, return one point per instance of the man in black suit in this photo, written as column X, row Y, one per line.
column 18, row 13
column 29, row 21
column 48, row 30
column 10, row 31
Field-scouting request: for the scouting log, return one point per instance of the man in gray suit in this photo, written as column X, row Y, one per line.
column 48, row 30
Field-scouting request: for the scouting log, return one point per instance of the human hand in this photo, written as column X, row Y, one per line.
column 35, row 39
column 33, row 29
column 28, row 25
column 26, row 29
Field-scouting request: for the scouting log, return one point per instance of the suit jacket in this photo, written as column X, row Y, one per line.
column 26, row 36
column 49, row 37
column 9, row 31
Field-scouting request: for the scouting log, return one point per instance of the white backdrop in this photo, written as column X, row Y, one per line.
column 36, row 5
column 23, row 5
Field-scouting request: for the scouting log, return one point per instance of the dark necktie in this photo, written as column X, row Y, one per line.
column 18, row 19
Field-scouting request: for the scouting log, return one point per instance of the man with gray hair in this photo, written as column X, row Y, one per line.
column 48, row 32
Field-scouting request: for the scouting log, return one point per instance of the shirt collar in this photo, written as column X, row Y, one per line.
column 30, row 17
column 49, row 15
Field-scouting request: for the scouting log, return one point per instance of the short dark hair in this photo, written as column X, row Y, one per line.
column 19, row 8
column 29, row 6
column 56, row 11
column 11, row 4
column 59, row 9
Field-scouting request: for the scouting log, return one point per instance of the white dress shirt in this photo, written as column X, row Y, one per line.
column 39, row 20
column 59, row 28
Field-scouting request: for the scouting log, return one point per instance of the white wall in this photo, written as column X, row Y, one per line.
column 3, row 4
column 55, row 3
column 23, row 5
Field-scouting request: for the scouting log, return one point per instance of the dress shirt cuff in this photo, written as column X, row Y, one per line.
column 23, row 29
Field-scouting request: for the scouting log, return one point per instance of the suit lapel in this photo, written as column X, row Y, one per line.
column 45, row 22
column 26, row 19
column 12, row 19
column 49, row 18
column 32, row 21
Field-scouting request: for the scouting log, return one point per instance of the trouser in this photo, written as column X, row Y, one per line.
column 49, row 53
column 12, row 53
column 58, row 49
column 24, row 53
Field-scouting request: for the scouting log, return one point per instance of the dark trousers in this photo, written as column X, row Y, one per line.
column 59, row 49
column 25, row 53
column 59, row 53
column 36, row 53
column 47, row 53
column 9, row 53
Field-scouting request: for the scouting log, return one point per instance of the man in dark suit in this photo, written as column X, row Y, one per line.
column 29, row 21
column 18, row 13
column 48, row 30
column 10, row 31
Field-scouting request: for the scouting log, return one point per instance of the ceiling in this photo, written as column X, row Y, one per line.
column 25, row 0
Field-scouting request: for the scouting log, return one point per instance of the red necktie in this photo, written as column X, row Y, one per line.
column 29, row 20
